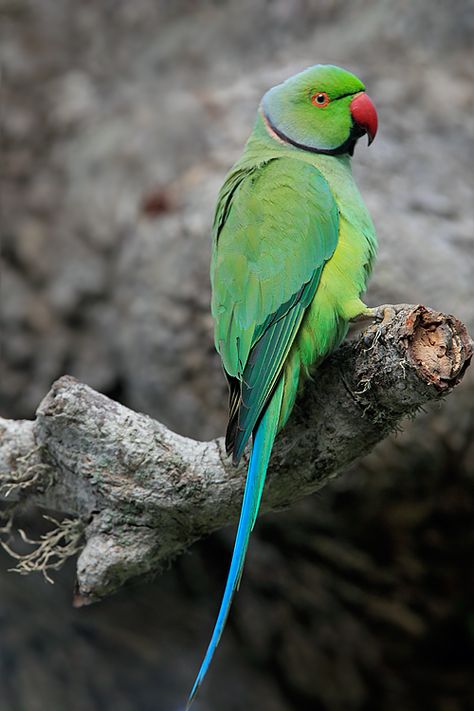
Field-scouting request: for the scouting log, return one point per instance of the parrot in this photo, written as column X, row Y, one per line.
column 293, row 246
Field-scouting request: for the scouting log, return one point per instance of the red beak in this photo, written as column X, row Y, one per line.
column 364, row 114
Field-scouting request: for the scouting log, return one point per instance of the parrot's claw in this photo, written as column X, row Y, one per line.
column 382, row 315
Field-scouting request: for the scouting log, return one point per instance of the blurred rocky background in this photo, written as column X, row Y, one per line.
column 119, row 121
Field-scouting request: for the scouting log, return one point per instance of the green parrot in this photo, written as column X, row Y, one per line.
column 293, row 246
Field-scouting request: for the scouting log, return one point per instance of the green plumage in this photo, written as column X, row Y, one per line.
column 262, row 286
column 282, row 214
column 293, row 245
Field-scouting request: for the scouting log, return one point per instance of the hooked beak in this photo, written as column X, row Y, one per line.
column 364, row 114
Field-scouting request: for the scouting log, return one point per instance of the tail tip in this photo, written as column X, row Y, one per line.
column 193, row 694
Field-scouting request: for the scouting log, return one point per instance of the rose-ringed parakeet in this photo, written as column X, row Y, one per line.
column 293, row 245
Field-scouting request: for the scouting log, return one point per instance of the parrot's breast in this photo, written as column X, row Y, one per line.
column 342, row 283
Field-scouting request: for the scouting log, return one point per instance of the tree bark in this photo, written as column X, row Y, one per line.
column 146, row 493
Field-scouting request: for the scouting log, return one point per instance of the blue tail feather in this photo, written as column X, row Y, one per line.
column 261, row 450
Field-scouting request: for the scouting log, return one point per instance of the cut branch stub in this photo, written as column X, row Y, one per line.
column 439, row 345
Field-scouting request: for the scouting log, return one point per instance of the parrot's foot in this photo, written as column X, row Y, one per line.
column 382, row 315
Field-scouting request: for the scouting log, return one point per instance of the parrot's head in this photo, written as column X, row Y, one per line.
column 324, row 109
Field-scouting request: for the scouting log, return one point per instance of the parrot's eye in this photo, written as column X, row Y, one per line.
column 320, row 99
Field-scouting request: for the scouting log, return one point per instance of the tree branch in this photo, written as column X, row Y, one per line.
column 146, row 493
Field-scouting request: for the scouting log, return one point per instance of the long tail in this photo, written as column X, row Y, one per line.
column 261, row 450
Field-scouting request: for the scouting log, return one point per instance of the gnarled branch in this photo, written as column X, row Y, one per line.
column 146, row 493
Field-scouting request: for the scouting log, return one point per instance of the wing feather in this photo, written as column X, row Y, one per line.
column 276, row 226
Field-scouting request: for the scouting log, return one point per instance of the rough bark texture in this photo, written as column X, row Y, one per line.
column 147, row 493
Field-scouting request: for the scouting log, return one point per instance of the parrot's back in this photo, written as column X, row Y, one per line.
column 343, row 276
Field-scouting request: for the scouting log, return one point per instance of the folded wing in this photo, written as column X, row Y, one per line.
column 276, row 226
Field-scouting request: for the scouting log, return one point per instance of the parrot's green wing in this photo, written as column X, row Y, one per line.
column 276, row 226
